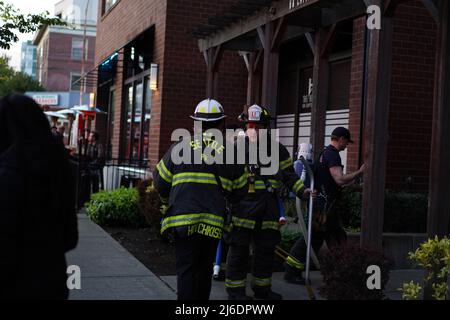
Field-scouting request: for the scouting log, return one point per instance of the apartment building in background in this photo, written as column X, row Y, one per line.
column 28, row 59
column 60, row 48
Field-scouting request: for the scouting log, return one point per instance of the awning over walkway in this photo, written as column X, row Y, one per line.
column 240, row 23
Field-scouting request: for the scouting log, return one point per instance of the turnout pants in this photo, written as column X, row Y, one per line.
column 194, row 261
column 332, row 233
column 264, row 243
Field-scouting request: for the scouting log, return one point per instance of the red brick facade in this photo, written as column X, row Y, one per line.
column 57, row 64
column 182, row 69
column 411, row 108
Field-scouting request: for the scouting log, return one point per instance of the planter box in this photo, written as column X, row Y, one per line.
column 396, row 247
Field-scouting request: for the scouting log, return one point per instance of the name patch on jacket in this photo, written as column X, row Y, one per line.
column 205, row 230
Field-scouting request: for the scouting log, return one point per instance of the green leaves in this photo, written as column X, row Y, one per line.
column 12, row 81
column 13, row 22
column 115, row 208
column 434, row 257
column 411, row 291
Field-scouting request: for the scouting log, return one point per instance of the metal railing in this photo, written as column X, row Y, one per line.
column 113, row 174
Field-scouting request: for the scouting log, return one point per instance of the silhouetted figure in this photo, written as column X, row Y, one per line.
column 37, row 204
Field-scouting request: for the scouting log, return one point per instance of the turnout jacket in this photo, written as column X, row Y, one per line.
column 195, row 193
column 261, row 208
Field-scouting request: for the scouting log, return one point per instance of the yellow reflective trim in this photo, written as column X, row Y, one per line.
column 240, row 182
column 270, row 225
column 262, row 282
column 164, row 172
column 286, row 164
column 235, row 283
column 194, row 177
column 226, row 184
column 294, row 263
column 298, row 186
column 194, row 174
column 243, row 223
column 191, row 219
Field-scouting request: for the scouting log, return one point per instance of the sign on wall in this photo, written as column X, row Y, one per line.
column 46, row 99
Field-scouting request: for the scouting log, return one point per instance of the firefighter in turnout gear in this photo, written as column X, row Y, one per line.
column 255, row 220
column 196, row 192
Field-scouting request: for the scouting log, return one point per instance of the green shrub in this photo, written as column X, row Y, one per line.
column 115, row 208
column 150, row 203
column 404, row 212
column 434, row 257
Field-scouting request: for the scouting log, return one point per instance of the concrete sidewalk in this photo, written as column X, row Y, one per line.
column 109, row 272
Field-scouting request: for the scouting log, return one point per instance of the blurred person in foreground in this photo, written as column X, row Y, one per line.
column 37, row 204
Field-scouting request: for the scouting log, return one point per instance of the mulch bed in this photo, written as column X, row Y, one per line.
column 146, row 245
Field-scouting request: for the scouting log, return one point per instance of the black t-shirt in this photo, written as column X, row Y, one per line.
column 330, row 158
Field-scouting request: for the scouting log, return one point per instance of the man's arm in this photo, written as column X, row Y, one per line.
column 342, row 179
column 163, row 175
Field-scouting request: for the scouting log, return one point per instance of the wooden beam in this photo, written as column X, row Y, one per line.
column 310, row 39
column 278, row 34
column 376, row 133
column 261, row 36
column 298, row 106
column 258, row 60
column 321, row 77
column 270, row 71
column 328, row 41
column 245, row 56
column 214, row 56
column 279, row 9
column 439, row 204
column 251, row 78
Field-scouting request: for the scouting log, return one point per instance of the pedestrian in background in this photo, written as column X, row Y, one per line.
column 37, row 204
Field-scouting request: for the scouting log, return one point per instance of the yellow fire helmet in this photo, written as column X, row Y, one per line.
column 209, row 110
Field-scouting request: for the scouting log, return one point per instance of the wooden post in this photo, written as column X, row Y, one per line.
column 250, row 59
column 270, row 68
column 213, row 57
column 376, row 132
column 321, row 77
column 439, row 204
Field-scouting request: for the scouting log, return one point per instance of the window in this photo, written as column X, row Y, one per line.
column 138, row 115
column 138, row 96
column 77, row 49
column 75, row 86
column 339, row 94
column 111, row 122
column 108, row 4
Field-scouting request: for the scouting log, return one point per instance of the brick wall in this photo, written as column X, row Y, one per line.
column 356, row 81
column 185, row 77
column 60, row 63
column 182, row 69
column 115, row 29
column 411, row 97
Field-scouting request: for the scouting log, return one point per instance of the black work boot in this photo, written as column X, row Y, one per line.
column 267, row 295
column 238, row 295
column 294, row 278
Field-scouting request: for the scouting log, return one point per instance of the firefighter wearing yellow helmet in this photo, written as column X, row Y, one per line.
column 256, row 219
column 196, row 197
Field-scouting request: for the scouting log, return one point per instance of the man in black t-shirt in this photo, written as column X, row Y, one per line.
column 329, row 180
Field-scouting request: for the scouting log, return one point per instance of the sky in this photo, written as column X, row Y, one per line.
column 27, row 6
